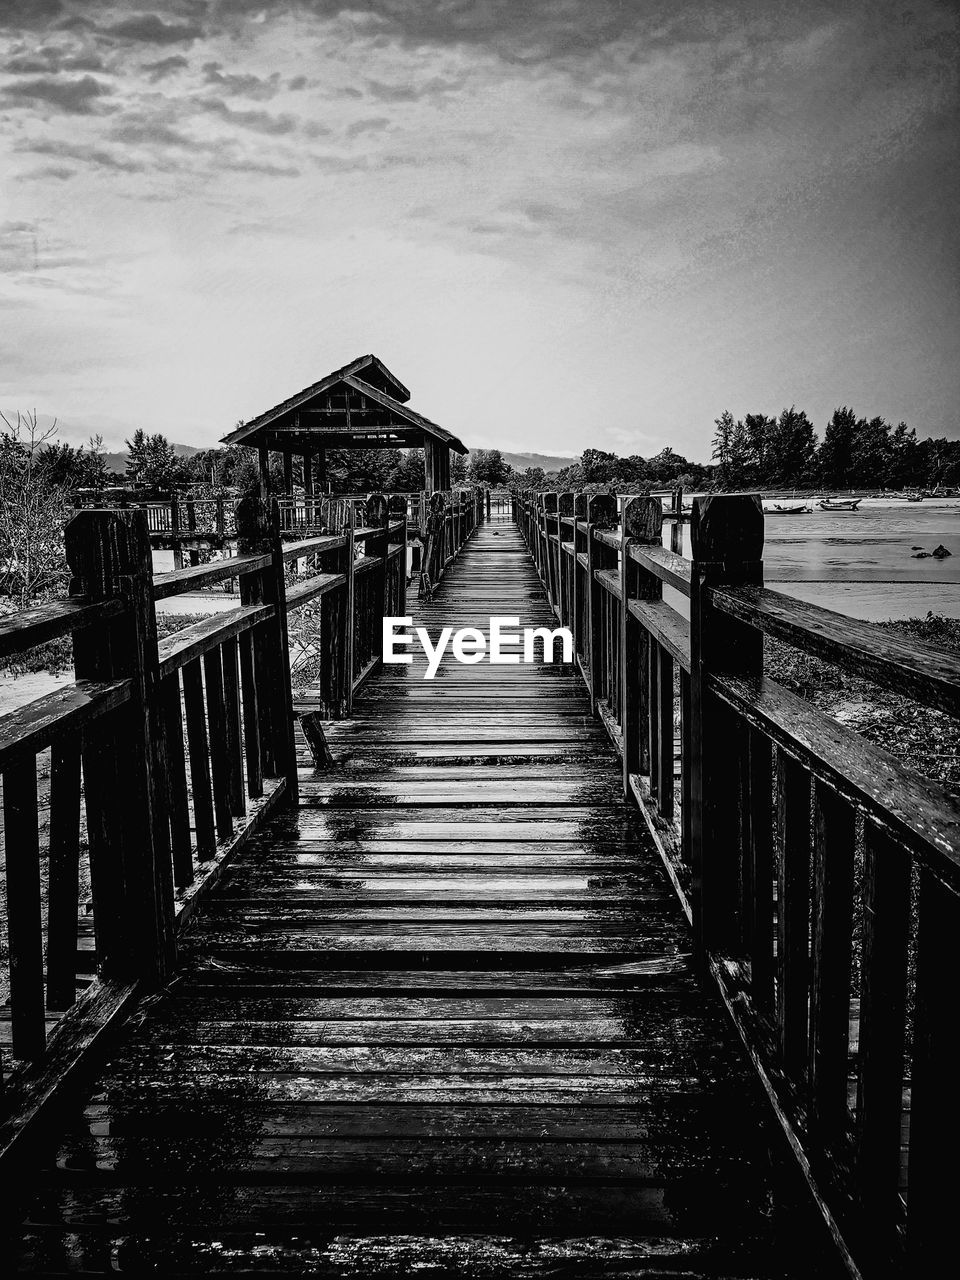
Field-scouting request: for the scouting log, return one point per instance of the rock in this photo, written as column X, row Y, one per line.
column 921, row 555
column 940, row 553
column 916, row 548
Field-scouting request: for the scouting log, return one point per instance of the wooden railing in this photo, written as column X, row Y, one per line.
column 164, row 757
column 451, row 516
column 821, row 876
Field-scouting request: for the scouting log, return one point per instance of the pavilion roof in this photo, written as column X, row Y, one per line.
column 361, row 406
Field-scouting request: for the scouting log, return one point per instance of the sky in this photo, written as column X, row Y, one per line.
column 561, row 223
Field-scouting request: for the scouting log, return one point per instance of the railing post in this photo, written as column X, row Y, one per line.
column 258, row 533
column 580, row 602
column 641, row 523
column 123, row 758
column 601, row 514
column 378, row 517
column 349, row 638
column 727, row 544
column 564, row 508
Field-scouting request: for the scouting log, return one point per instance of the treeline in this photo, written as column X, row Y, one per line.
column 598, row 469
column 855, row 453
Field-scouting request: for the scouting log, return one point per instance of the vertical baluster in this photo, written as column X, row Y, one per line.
column 832, row 940
column 602, row 515
column 663, row 714
column 883, row 990
column 251, row 716
column 934, row 1104
column 63, row 890
column 231, row 700
column 178, row 796
column 760, row 817
column 641, row 520
column 217, row 723
column 793, row 909
column 686, row 757
column 198, row 747
column 21, row 846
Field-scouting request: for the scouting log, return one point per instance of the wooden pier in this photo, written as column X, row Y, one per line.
column 416, row 990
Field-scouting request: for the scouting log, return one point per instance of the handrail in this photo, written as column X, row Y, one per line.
column 200, row 637
column 922, row 672
column 48, row 622
column 797, row 843
column 177, row 581
column 34, row 726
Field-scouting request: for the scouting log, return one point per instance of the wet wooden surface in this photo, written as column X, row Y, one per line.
column 439, row 1022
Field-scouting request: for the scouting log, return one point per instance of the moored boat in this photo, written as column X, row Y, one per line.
column 839, row 504
column 779, row 510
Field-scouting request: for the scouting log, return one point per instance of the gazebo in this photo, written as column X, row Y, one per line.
column 361, row 406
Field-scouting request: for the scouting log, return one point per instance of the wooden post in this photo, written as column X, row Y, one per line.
column 641, row 524
column 727, row 543
column 397, row 512
column 601, row 514
column 429, row 467
column 580, row 596
column 123, row 757
column 258, row 533
column 346, row 692
column 263, row 460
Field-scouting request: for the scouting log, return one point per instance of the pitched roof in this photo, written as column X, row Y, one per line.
column 369, row 377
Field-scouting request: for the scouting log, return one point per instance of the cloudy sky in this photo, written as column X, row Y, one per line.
column 563, row 223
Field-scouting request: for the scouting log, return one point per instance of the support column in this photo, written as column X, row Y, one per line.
column 263, row 460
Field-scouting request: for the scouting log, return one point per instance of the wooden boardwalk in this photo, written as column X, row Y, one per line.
column 440, row 1021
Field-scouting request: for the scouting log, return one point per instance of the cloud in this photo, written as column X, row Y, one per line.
column 375, row 124
column 50, row 60
column 58, row 172
column 148, row 130
column 258, row 121
column 149, row 28
column 245, row 86
column 413, row 90
column 86, row 153
column 74, row 96
column 29, row 13
column 157, row 71
column 297, row 82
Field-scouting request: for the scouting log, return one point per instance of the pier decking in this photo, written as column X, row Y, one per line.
column 438, row 1020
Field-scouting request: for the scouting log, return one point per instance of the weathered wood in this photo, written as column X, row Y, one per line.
column 883, row 986
column 31, row 627
column 934, row 1111
column 727, row 542
column 199, row 749
column 21, row 846
column 230, row 659
column 176, row 583
column 251, row 717
column 641, row 520
column 923, row 672
column 201, row 637
column 63, row 882
column 178, row 797
column 217, row 729
column 34, row 726
column 831, row 957
column 793, row 910
column 109, row 556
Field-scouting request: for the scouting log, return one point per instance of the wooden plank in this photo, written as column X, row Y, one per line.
column 31, row 627
column 251, row 716
column 198, row 744
column 21, row 846
column 793, row 909
column 205, row 575
column 220, row 768
column 32, row 727
column 199, row 638
column 178, row 797
column 63, row 882
column 923, row 814
column 923, row 672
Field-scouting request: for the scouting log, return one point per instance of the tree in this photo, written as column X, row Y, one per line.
column 905, row 463
column 33, row 512
column 758, row 431
column 721, row 451
column 794, row 449
column 151, row 460
column 488, row 467
column 597, row 466
column 870, row 451
column 458, row 469
column 836, row 451
column 531, row 478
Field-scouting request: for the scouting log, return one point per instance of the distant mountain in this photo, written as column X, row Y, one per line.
column 548, row 461
column 118, row 461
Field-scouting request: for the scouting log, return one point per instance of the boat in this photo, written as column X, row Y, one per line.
column 914, row 497
column 779, row 510
column 839, row 504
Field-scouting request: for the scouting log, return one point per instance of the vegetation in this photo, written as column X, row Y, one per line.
column 855, row 452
